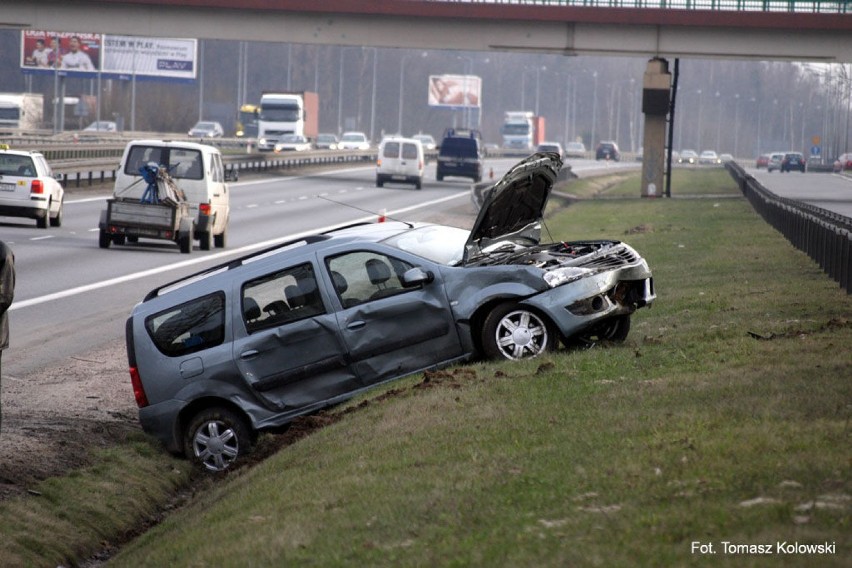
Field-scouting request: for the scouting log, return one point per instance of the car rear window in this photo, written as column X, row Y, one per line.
column 184, row 163
column 409, row 151
column 391, row 150
column 17, row 165
column 459, row 147
column 193, row 326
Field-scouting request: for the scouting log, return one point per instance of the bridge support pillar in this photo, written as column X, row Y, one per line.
column 656, row 91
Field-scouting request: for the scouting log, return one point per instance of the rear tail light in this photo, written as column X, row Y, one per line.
column 204, row 208
column 379, row 163
column 138, row 390
column 37, row 186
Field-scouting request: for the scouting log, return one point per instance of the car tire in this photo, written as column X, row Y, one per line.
column 119, row 239
column 613, row 330
column 216, row 438
column 185, row 242
column 512, row 331
column 439, row 177
column 57, row 220
column 418, row 183
column 104, row 239
column 41, row 222
column 205, row 239
column 221, row 240
column 380, row 182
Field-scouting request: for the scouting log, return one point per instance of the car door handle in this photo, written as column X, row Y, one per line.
column 250, row 354
column 356, row 324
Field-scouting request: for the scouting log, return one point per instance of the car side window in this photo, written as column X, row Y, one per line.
column 189, row 327
column 45, row 167
column 218, row 173
column 364, row 276
column 283, row 297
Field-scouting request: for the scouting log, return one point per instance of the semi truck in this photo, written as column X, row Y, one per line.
column 522, row 130
column 21, row 111
column 283, row 113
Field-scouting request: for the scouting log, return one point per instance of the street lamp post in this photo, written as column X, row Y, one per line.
column 718, row 120
column 468, row 69
column 698, row 132
column 401, row 85
column 736, row 123
column 340, row 89
column 592, row 142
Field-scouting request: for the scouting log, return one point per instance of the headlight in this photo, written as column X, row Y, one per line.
column 262, row 141
column 562, row 276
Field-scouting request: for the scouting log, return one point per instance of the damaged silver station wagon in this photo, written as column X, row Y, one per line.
column 251, row 344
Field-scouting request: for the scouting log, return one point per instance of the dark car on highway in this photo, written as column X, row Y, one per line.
column 251, row 344
column 461, row 154
column 793, row 161
column 607, row 151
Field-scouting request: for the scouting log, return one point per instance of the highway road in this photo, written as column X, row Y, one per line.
column 72, row 296
column 828, row 191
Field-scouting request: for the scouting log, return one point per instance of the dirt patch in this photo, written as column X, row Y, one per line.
column 53, row 418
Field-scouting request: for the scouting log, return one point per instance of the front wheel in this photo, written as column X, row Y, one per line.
column 215, row 438
column 512, row 331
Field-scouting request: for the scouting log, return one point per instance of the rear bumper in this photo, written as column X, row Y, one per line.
column 32, row 209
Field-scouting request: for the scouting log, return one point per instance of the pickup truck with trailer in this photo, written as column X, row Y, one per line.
column 168, row 190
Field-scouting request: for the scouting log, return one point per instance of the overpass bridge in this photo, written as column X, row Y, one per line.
column 796, row 30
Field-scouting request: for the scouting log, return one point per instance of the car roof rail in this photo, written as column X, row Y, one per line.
column 232, row 264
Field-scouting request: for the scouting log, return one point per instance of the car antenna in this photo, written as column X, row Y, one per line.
column 385, row 215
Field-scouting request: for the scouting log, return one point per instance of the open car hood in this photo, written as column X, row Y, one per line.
column 513, row 209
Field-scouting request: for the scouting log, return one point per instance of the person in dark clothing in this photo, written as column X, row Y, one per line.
column 7, row 294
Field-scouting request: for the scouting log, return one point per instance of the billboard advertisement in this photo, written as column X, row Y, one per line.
column 153, row 57
column 74, row 52
column 111, row 56
column 455, row 91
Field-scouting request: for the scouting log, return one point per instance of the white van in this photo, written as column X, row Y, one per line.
column 197, row 169
column 400, row 159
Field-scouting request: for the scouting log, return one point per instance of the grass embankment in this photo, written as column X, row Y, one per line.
column 725, row 417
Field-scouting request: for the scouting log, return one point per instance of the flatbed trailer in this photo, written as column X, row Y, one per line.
column 130, row 219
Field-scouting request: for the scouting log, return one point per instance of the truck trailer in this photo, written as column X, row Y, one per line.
column 21, row 111
column 283, row 113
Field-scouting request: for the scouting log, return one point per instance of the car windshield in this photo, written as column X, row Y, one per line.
column 204, row 126
column 438, row 243
column 353, row 138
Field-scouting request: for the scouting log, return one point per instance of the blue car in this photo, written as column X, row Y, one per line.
column 223, row 354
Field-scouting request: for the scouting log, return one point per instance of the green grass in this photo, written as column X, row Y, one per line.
column 685, row 182
column 724, row 417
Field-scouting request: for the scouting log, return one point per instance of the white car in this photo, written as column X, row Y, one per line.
column 29, row 189
column 401, row 160
column 292, row 143
column 102, row 126
column 206, row 130
column 427, row 141
column 709, row 158
column 354, row 141
column 688, row 157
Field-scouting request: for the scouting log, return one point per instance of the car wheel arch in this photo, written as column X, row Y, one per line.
column 477, row 319
column 188, row 412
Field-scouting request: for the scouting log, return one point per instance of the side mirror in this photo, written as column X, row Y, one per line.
column 416, row 276
column 232, row 174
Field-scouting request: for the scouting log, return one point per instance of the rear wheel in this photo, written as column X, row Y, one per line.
column 216, row 437
column 41, row 222
column 56, row 220
column 512, row 331
column 418, row 183
column 104, row 239
column 205, row 240
column 380, row 182
column 185, row 242
column 220, row 240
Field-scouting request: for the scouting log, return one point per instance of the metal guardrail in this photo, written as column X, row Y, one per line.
column 800, row 6
column 824, row 235
column 94, row 170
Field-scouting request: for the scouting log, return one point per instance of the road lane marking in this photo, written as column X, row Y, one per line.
column 224, row 254
column 41, row 238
